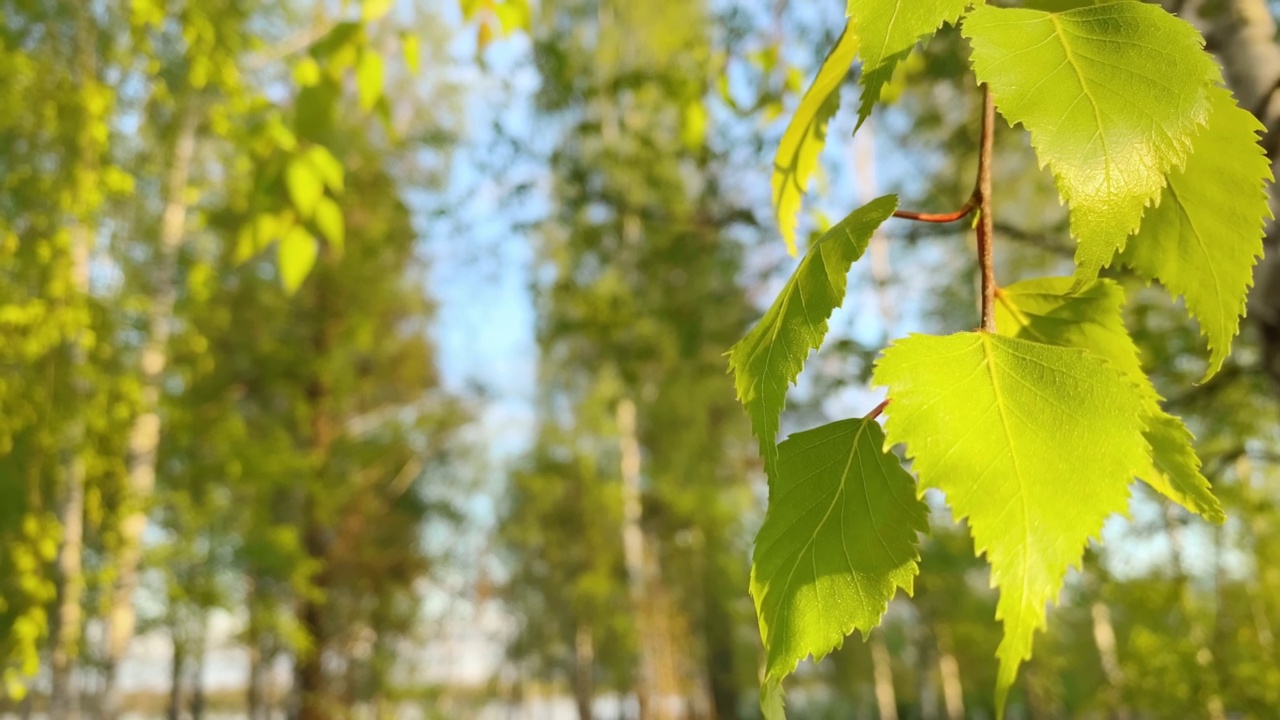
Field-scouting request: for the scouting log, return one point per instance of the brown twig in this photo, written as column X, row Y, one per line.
column 950, row 217
column 985, row 221
column 875, row 412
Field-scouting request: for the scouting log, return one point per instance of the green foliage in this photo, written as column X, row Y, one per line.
column 298, row 252
column 882, row 34
column 772, row 355
column 1034, row 444
column 1202, row 240
column 1046, row 310
column 801, row 144
column 1035, row 432
column 838, row 541
column 1113, row 96
column 887, row 32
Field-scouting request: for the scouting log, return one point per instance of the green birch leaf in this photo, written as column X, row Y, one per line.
column 297, row 253
column 838, row 541
column 327, row 168
column 1113, row 96
column 772, row 700
column 330, row 223
column 369, row 78
column 802, row 142
column 887, row 31
column 1175, row 468
column 1046, row 310
column 303, row 182
column 1034, row 444
column 1204, row 238
column 771, row 356
column 1063, row 5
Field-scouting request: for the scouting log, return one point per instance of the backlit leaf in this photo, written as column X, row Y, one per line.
column 771, row 356
column 887, row 30
column 369, row 73
column 838, row 541
column 802, row 142
column 1205, row 236
column 1046, row 310
column 1113, row 96
column 1034, row 444
column 329, row 222
column 302, row 181
column 297, row 255
column 327, row 168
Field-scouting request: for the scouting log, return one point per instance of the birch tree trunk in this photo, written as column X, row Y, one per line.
column 584, row 658
column 634, row 552
column 1104, row 638
column 178, row 662
column 949, row 672
column 64, row 700
column 144, row 437
column 882, row 668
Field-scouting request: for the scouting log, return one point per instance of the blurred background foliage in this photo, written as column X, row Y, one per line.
column 365, row 360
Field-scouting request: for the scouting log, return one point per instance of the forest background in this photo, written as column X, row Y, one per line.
column 366, row 360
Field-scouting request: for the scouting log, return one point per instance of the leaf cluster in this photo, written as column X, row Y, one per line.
column 1033, row 429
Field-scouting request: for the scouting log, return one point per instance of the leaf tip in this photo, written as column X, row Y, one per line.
column 772, row 700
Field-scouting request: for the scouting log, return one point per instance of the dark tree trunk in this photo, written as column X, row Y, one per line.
column 175, row 676
column 584, row 659
column 314, row 698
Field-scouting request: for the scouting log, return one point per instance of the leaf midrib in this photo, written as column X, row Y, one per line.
column 1084, row 88
column 839, row 493
column 1017, row 470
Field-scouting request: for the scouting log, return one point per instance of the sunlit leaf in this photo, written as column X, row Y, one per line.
column 303, row 182
column 1113, row 96
column 371, row 10
column 772, row 355
column 887, row 30
column 412, row 50
column 329, row 222
column 306, row 72
column 802, row 143
column 369, row 78
column 327, row 167
column 1205, row 236
column 1035, row 444
column 838, row 541
column 297, row 254
column 1047, row 310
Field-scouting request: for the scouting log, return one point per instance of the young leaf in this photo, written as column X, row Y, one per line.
column 802, row 142
column 297, row 252
column 1112, row 95
column 1175, row 468
column 838, row 541
column 369, row 78
column 327, row 167
column 330, row 223
column 304, row 185
column 1203, row 239
column 1046, row 310
column 772, row 355
column 887, row 30
column 1034, row 444
column 772, row 700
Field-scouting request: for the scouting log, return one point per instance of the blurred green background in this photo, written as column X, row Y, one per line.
column 365, row 360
